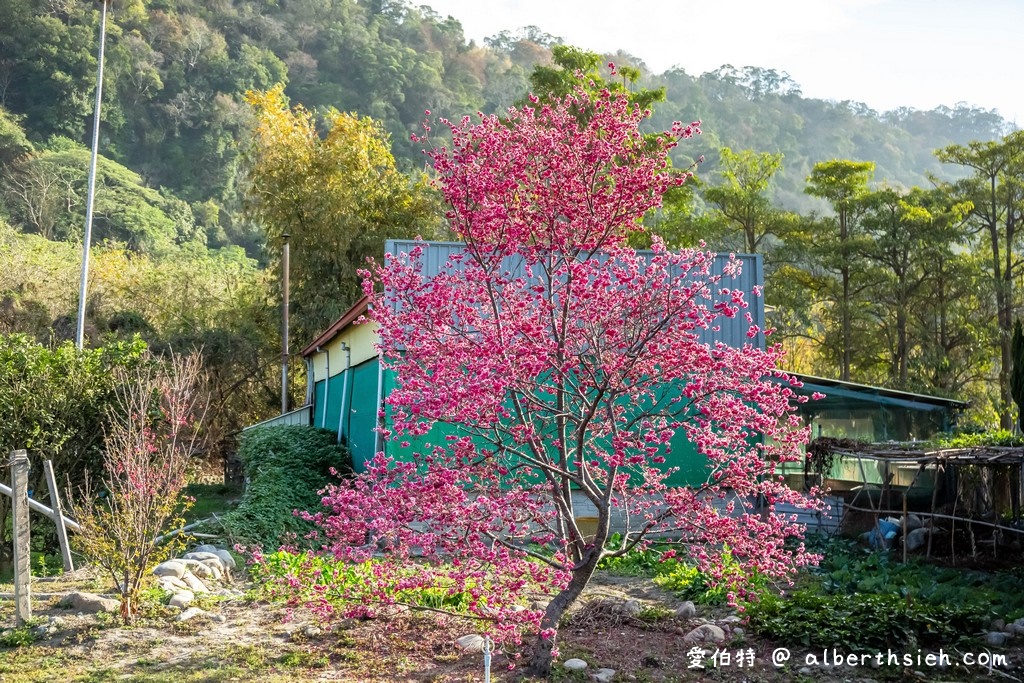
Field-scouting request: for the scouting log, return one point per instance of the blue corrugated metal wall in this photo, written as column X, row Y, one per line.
column 733, row 330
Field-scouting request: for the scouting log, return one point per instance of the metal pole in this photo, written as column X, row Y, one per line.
column 285, row 267
column 488, row 647
column 87, row 238
column 20, row 532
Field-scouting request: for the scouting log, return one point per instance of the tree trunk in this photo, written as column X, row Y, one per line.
column 541, row 659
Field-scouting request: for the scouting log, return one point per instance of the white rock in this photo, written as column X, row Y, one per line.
column 195, row 555
column 171, row 568
column 311, row 631
column 226, row 559
column 574, row 664
column 216, row 569
column 194, row 584
column 603, row 675
column 205, row 548
column 90, row 603
column 705, row 633
column 687, row 610
column 172, row 584
column 737, row 632
column 201, row 570
column 181, row 599
column 470, row 643
column 190, row 613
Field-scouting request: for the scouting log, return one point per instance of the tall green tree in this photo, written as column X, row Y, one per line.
column 741, row 198
column 909, row 232
column 842, row 183
column 338, row 197
column 996, row 191
column 1017, row 373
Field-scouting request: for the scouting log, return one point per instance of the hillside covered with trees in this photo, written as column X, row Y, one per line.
column 887, row 263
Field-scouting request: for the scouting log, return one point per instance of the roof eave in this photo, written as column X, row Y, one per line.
column 350, row 316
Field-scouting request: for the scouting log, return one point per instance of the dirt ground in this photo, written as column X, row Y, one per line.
column 242, row 640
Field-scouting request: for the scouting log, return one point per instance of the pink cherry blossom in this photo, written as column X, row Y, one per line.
column 567, row 364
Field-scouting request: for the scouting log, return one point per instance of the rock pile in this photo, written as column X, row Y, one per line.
column 193, row 573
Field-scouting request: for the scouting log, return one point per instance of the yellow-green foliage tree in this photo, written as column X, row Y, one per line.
column 338, row 196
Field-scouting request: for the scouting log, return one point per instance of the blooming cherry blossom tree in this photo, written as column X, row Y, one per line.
column 566, row 363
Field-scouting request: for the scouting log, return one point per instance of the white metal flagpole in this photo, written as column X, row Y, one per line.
column 87, row 238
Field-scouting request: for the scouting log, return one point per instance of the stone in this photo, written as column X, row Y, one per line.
column 200, row 556
column 1016, row 629
column 170, row 568
column 996, row 638
column 181, row 599
column 913, row 522
column 632, row 608
column 172, row 584
column 539, row 605
column 731, row 619
column 998, row 625
column 219, row 618
column 687, row 610
column 574, row 664
column 190, row 613
column 201, row 570
column 705, row 633
column 737, row 632
column 226, row 559
column 216, row 568
column 205, row 548
column 804, row 671
column 90, row 603
column 470, row 643
column 194, row 584
column 311, row 631
column 603, row 675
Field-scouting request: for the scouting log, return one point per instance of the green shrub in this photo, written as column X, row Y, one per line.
column 285, row 468
column 860, row 622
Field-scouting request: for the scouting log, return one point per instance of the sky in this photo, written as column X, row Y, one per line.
column 885, row 53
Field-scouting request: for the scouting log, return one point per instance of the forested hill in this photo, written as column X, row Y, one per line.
column 176, row 71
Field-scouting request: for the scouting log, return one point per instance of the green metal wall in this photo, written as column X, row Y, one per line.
column 692, row 468
column 359, row 411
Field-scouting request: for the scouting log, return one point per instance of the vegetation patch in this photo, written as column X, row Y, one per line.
column 286, row 467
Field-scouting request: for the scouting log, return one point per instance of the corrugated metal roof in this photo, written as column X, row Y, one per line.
column 733, row 331
column 880, row 395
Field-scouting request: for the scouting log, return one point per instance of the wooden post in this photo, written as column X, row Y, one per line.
column 939, row 469
column 906, row 491
column 58, row 517
column 22, row 557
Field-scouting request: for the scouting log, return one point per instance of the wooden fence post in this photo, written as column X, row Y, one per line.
column 22, row 556
column 58, row 517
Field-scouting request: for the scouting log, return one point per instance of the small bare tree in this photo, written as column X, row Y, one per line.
column 150, row 445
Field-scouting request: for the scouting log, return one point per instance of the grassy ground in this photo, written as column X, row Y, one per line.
column 245, row 638
column 210, row 499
